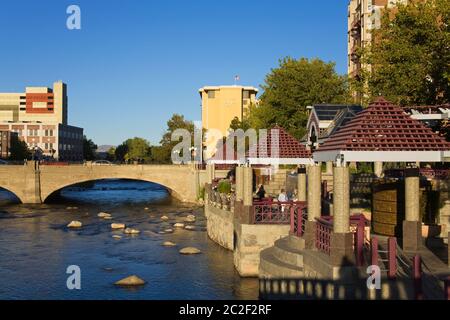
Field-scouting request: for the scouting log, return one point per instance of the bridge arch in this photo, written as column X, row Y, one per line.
column 179, row 180
column 172, row 192
column 15, row 193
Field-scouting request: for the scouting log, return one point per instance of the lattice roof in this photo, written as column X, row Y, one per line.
column 384, row 127
column 288, row 146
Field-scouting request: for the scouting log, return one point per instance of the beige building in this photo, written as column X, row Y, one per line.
column 220, row 105
column 39, row 117
column 363, row 17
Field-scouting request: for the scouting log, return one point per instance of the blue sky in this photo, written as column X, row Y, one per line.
column 135, row 63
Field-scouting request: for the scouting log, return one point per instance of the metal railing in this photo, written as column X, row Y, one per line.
column 299, row 215
column 324, row 228
column 269, row 212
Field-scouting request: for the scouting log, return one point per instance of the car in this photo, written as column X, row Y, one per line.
column 102, row 163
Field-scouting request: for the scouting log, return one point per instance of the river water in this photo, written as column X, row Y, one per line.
column 36, row 247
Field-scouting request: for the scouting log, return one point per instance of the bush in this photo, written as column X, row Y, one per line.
column 224, row 186
column 201, row 193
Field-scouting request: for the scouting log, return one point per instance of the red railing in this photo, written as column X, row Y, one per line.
column 324, row 228
column 299, row 216
column 268, row 212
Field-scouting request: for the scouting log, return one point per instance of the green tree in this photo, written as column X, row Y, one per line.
column 111, row 154
column 410, row 55
column 138, row 149
column 121, row 151
column 163, row 153
column 293, row 86
column 89, row 148
column 19, row 149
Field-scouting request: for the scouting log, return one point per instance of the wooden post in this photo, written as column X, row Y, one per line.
column 417, row 277
column 392, row 258
column 374, row 251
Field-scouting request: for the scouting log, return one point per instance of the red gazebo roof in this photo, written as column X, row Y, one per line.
column 383, row 127
column 278, row 144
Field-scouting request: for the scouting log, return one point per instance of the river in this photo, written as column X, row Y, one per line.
column 36, row 247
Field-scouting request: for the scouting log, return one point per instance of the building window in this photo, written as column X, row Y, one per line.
column 211, row 94
column 246, row 94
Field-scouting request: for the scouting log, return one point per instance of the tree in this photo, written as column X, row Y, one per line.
column 121, row 151
column 410, row 55
column 89, row 148
column 111, row 154
column 163, row 153
column 293, row 86
column 138, row 149
column 18, row 149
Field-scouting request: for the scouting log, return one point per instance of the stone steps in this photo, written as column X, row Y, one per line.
column 271, row 266
column 284, row 252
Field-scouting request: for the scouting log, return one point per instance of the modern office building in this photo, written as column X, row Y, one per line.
column 363, row 17
column 39, row 117
column 220, row 105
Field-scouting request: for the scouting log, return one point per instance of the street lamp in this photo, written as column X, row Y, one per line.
column 177, row 152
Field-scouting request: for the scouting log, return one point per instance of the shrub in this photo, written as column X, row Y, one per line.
column 201, row 193
column 224, row 186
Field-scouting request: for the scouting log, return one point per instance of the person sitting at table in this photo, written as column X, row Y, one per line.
column 261, row 193
column 282, row 197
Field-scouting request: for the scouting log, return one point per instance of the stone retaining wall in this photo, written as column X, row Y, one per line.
column 250, row 240
column 220, row 226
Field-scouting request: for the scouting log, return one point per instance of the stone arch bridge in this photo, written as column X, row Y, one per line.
column 33, row 183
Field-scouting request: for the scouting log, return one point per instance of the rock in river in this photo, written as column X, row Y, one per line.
column 104, row 215
column 164, row 218
column 130, row 281
column 190, row 218
column 190, row 227
column 131, row 231
column 178, row 225
column 168, row 244
column 75, row 224
column 117, row 237
column 117, row 226
column 190, row 250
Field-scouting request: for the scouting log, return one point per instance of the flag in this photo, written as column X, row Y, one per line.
column 237, row 78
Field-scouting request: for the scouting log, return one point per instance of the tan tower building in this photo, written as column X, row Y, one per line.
column 220, row 105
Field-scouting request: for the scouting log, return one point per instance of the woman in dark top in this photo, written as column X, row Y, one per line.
column 261, row 193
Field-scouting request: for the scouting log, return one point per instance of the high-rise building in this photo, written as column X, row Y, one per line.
column 39, row 117
column 220, row 105
column 363, row 17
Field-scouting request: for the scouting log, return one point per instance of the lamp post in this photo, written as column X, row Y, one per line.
column 177, row 152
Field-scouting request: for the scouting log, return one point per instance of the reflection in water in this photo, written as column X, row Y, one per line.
column 36, row 247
